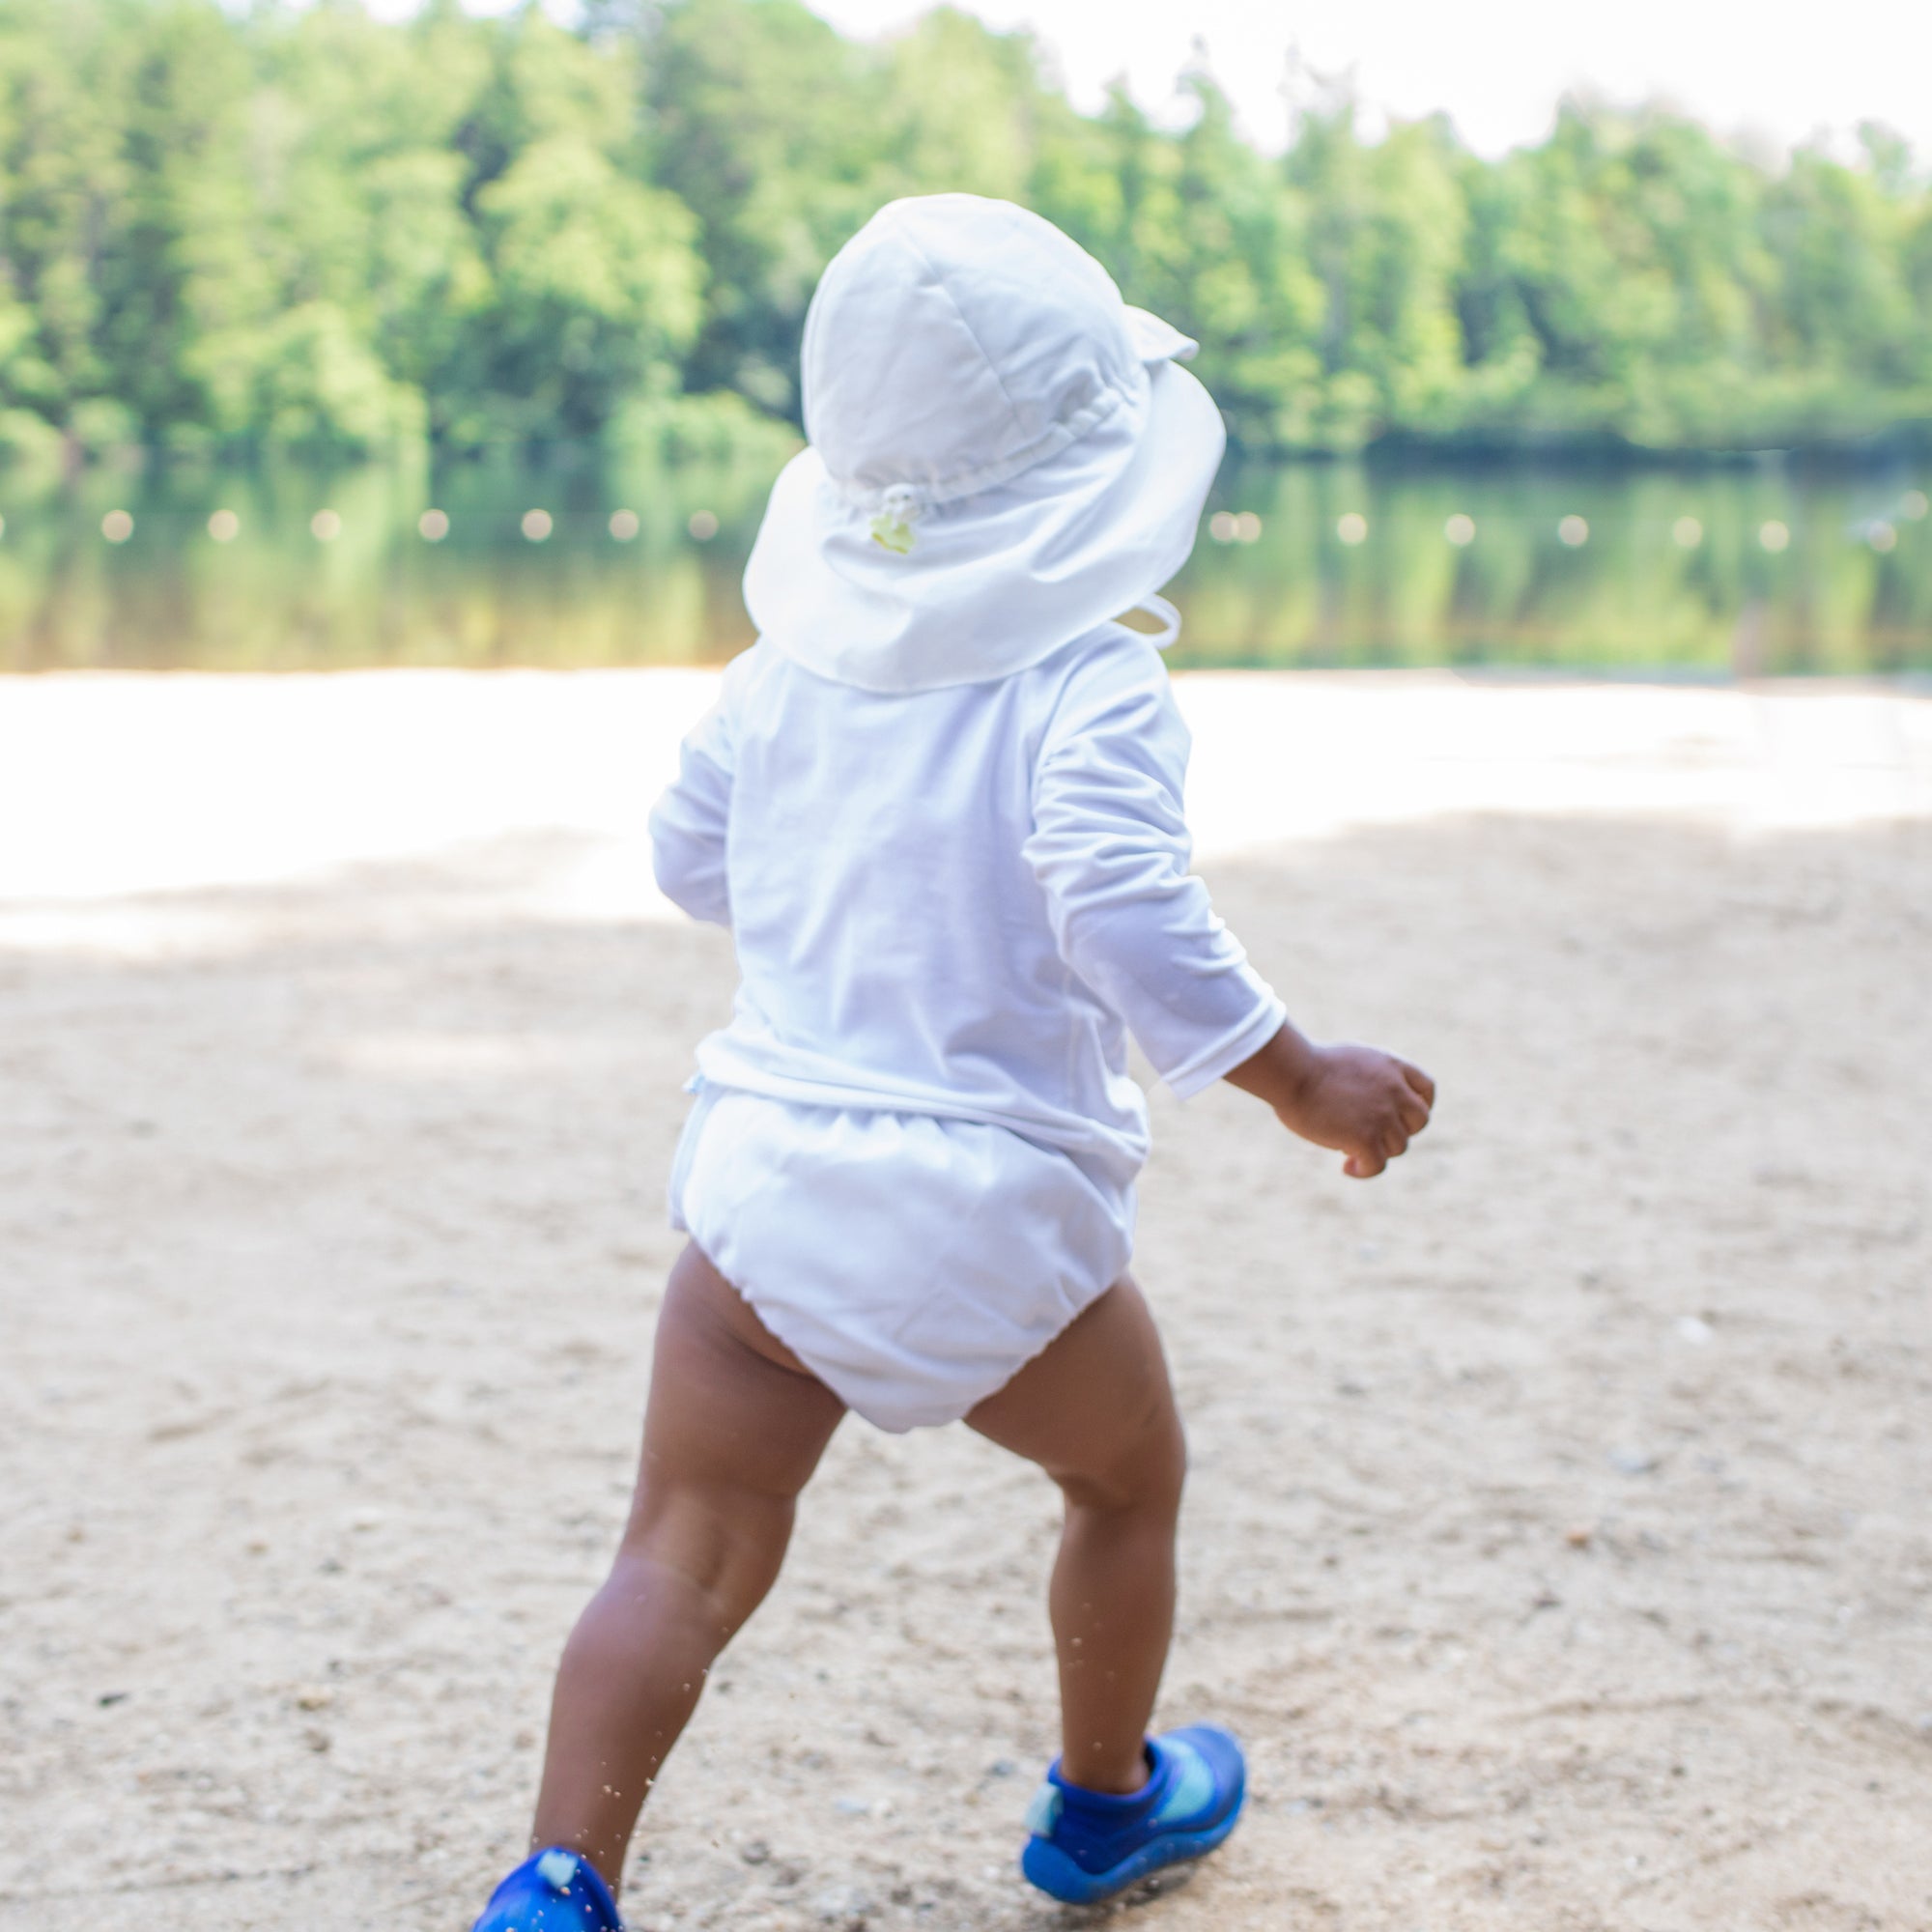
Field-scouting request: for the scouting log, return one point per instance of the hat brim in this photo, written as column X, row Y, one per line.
column 1157, row 341
column 997, row 582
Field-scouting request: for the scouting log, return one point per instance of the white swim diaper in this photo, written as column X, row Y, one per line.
column 914, row 1264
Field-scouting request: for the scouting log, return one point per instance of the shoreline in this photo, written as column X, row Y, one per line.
column 141, row 785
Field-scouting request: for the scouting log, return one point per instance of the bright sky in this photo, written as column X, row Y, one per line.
column 1769, row 72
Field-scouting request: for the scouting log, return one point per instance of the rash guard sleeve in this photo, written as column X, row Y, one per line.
column 691, row 820
column 1110, row 848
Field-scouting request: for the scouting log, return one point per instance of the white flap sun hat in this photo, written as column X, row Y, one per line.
column 1003, row 454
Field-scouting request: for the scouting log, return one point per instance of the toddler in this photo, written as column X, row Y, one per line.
column 939, row 807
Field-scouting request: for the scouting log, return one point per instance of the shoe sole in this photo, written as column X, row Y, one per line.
column 1050, row 1870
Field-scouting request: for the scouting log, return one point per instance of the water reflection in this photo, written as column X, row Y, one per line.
column 575, row 562
column 1753, row 572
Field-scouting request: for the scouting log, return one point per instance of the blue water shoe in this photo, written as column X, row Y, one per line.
column 556, row 1890
column 1088, row 1845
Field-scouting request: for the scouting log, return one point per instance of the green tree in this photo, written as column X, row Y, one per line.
column 771, row 129
column 293, row 223
column 596, row 285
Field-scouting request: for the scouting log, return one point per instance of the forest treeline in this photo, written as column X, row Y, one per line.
column 299, row 226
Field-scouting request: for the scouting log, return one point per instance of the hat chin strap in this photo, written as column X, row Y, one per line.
column 1166, row 615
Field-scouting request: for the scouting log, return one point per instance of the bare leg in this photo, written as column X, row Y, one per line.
column 1096, row 1412
column 735, row 1427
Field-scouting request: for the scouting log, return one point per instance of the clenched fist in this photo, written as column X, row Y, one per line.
column 1365, row 1103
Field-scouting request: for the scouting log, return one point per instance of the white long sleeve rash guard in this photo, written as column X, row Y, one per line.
column 957, row 901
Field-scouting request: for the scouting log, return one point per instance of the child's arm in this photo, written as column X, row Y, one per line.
column 1111, row 849
column 689, row 824
column 1357, row 1099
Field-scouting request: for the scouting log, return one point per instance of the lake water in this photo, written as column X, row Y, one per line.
column 578, row 562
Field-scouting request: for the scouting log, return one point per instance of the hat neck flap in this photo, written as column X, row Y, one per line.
column 978, row 587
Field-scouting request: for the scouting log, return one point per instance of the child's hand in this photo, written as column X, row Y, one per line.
column 1365, row 1103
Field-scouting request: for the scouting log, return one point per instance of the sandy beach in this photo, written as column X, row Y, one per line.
column 1557, row 1535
